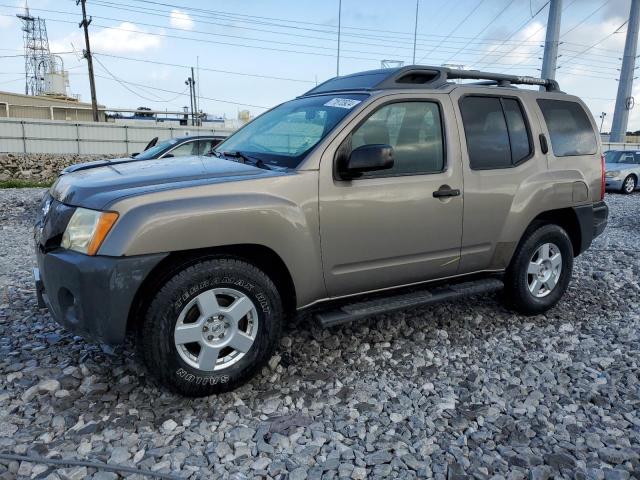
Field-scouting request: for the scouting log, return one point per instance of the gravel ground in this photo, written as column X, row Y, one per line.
column 459, row 390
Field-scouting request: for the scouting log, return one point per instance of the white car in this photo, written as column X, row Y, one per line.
column 622, row 170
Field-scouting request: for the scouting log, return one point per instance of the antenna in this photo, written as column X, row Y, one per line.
column 37, row 57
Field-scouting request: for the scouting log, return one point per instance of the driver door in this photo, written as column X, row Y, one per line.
column 386, row 228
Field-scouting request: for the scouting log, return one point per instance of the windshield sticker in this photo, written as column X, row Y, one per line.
column 347, row 103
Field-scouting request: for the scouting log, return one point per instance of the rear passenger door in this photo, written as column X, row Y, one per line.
column 498, row 156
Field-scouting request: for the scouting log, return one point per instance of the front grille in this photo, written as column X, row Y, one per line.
column 52, row 219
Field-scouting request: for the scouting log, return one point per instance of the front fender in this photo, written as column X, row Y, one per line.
column 224, row 215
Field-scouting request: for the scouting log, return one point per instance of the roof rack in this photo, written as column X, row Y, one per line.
column 417, row 76
column 501, row 79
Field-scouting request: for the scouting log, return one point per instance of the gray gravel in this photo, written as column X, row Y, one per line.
column 465, row 390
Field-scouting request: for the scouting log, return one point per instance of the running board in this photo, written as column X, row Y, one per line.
column 367, row 308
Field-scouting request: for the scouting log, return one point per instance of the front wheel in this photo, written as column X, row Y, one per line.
column 540, row 270
column 211, row 327
column 629, row 185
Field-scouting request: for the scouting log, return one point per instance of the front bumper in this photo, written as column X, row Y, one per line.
column 91, row 296
column 613, row 183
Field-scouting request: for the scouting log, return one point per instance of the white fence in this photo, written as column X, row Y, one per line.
column 620, row 146
column 86, row 138
column 58, row 136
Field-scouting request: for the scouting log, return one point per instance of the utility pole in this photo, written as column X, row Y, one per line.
column 602, row 117
column 552, row 40
column 339, row 28
column 624, row 100
column 87, row 54
column 195, row 98
column 415, row 33
column 197, row 78
column 189, row 82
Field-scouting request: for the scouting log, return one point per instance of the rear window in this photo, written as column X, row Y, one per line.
column 569, row 128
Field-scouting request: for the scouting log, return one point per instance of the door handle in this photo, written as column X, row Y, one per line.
column 544, row 146
column 446, row 191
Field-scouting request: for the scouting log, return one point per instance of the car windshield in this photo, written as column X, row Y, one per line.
column 616, row 156
column 284, row 135
column 156, row 150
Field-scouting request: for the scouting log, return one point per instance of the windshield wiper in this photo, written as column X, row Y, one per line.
column 247, row 159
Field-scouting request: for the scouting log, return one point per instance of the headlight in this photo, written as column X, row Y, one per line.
column 87, row 229
column 612, row 174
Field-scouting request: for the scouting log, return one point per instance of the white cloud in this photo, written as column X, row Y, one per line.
column 6, row 22
column 180, row 19
column 125, row 38
column 512, row 53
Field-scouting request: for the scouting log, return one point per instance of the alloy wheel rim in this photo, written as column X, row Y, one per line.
column 216, row 329
column 544, row 270
column 629, row 185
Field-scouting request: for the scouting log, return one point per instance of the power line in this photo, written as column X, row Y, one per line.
column 224, row 43
column 455, row 29
column 483, row 30
column 617, row 30
column 184, row 93
column 407, row 41
column 147, row 13
column 585, row 19
column 243, row 18
column 124, row 85
column 516, row 31
column 157, row 62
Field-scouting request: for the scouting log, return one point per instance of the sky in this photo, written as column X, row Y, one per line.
column 254, row 54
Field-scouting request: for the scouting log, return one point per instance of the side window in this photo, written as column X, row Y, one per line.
column 413, row 129
column 569, row 128
column 184, row 150
column 205, row 146
column 518, row 134
column 496, row 132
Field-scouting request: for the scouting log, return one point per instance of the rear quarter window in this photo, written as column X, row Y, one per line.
column 569, row 128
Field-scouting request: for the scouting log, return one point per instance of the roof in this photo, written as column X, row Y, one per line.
column 422, row 77
column 41, row 100
column 191, row 137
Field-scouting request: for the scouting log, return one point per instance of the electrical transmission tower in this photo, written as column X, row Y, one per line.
column 624, row 99
column 37, row 57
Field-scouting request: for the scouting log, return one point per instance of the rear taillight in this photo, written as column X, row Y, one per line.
column 602, row 179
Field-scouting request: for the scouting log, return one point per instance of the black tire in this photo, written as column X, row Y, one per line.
column 156, row 332
column 626, row 190
column 517, row 293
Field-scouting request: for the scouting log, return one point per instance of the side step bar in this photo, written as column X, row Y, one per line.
column 367, row 308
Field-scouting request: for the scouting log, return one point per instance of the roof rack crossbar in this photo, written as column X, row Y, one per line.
column 500, row 78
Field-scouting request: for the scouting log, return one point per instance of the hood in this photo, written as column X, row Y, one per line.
column 97, row 187
column 612, row 167
column 95, row 163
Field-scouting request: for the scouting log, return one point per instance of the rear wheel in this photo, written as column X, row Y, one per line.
column 629, row 184
column 211, row 327
column 540, row 270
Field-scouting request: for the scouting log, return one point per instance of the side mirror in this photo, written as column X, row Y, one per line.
column 134, row 155
column 168, row 155
column 367, row 158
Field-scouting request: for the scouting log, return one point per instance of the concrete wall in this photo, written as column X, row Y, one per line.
column 62, row 137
